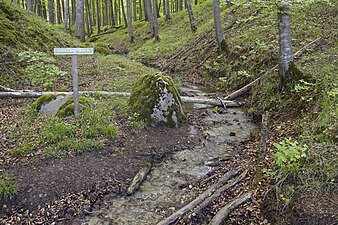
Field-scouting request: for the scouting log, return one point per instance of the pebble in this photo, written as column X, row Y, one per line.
column 232, row 134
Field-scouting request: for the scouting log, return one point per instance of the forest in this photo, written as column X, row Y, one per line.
column 168, row 112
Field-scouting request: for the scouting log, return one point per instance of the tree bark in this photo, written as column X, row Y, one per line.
column 111, row 11
column 134, row 10
column 200, row 198
column 155, row 23
column 223, row 213
column 149, row 15
column 285, row 44
column 191, row 16
column 218, row 26
column 73, row 12
column 130, row 25
column 98, row 16
column 30, row 5
column 167, row 10
column 51, row 16
column 66, row 15
column 80, row 28
column 87, row 16
column 140, row 10
column 58, row 12
column 124, row 15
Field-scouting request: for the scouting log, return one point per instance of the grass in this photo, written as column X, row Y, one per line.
column 57, row 136
column 8, row 188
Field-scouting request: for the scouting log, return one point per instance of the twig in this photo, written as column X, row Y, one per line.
column 7, row 89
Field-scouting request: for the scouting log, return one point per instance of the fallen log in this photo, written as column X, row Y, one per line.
column 218, row 193
column 314, row 44
column 224, row 212
column 138, row 179
column 185, row 99
column 171, row 219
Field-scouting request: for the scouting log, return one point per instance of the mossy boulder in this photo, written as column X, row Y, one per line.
column 57, row 105
column 156, row 100
column 102, row 48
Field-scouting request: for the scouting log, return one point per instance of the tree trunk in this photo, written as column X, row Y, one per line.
column 112, row 16
column 167, row 10
column 130, row 25
column 155, row 24
column 285, row 44
column 124, row 15
column 222, row 46
column 30, row 5
column 149, row 15
column 73, row 12
column 66, row 15
column 191, row 16
column 98, row 16
column 134, row 10
column 87, row 15
column 80, row 30
column 180, row 5
column 140, row 10
column 58, row 13
column 93, row 12
column 51, row 15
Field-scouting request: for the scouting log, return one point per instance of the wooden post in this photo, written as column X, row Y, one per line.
column 75, row 72
column 75, row 85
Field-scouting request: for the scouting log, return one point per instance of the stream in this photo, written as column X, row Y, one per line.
column 170, row 182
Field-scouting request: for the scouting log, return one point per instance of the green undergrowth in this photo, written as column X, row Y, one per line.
column 23, row 38
column 55, row 136
column 8, row 187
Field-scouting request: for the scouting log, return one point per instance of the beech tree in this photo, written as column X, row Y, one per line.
column 285, row 44
column 130, row 26
column 51, row 16
column 191, row 16
column 218, row 26
column 66, row 16
column 80, row 31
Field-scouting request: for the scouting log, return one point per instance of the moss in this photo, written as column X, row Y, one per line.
column 41, row 100
column 103, row 50
column 145, row 97
column 67, row 109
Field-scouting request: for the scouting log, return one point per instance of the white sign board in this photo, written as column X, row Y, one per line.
column 73, row 51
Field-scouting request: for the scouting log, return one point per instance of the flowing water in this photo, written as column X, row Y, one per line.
column 169, row 182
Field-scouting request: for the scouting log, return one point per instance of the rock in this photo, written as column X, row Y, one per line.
column 57, row 105
column 232, row 134
column 156, row 100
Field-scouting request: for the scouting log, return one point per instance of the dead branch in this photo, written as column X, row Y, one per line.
column 224, row 212
column 6, row 89
column 218, row 193
column 171, row 219
column 138, row 179
column 314, row 44
column 214, row 102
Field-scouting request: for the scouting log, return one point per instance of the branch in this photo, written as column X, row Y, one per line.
column 224, row 212
column 218, row 193
column 171, row 219
column 314, row 44
column 6, row 89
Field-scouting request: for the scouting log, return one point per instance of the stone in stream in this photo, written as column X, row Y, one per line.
column 156, row 100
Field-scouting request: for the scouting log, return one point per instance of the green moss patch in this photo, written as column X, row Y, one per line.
column 42, row 100
column 156, row 100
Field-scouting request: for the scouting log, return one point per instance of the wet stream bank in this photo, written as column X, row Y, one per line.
column 169, row 183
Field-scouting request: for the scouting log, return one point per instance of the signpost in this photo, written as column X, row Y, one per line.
column 74, row 52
